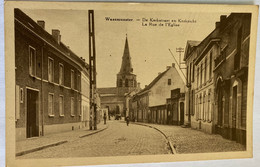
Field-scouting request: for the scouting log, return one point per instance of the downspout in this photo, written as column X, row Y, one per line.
column 42, row 89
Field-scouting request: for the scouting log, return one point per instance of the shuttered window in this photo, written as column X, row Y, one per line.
column 50, row 70
column 17, row 102
column 61, row 105
column 72, row 107
column 32, row 61
column 50, row 105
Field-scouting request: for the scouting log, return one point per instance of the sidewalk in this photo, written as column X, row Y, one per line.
column 38, row 143
column 187, row 140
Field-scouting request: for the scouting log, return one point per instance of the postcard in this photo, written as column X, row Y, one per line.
column 120, row 83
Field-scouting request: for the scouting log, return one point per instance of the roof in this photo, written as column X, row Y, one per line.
column 31, row 25
column 190, row 46
column 109, row 90
column 153, row 82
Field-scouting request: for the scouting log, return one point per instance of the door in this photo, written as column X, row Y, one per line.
column 234, row 113
column 32, row 129
column 181, row 113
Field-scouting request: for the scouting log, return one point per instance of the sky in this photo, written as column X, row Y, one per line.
column 149, row 45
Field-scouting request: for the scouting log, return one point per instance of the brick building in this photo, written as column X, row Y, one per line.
column 231, row 76
column 218, row 68
column 48, row 80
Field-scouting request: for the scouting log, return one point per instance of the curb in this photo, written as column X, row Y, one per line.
column 93, row 132
column 173, row 150
column 53, row 144
column 40, row 148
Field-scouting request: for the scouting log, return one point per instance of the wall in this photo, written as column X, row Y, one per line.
column 161, row 90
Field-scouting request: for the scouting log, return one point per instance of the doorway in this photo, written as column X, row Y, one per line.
column 32, row 128
column 181, row 113
column 234, row 113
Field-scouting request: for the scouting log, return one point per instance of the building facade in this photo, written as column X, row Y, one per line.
column 48, row 81
column 219, row 76
column 231, row 77
column 85, row 101
column 189, row 57
column 151, row 101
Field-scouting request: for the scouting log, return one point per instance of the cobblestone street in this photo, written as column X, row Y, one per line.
column 117, row 140
column 187, row 140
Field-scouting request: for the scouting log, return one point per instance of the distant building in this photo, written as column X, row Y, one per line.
column 48, row 81
column 113, row 98
column 129, row 103
column 217, row 78
column 150, row 102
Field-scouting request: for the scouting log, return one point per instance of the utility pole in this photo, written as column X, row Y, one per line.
column 92, row 69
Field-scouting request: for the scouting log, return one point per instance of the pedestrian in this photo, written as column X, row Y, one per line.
column 105, row 118
column 127, row 120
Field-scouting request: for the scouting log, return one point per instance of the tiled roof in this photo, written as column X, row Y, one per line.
column 111, row 90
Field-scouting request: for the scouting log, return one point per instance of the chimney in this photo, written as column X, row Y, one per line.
column 145, row 86
column 41, row 23
column 217, row 24
column 168, row 67
column 56, row 35
column 159, row 73
column 223, row 18
column 173, row 65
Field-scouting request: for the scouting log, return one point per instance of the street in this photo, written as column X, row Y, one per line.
column 117, row 140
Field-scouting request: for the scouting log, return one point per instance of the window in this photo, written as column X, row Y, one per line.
column 50, row 105
column 61, row 74
column 169, row 81
column 201, row 73
column 17, row 102
column 239, row 43
column 32, row 61
column 120, row 83
column 190, row 73
column 193, row 71
column 79, row 80
column 210, row 65
column 187, row 74
column 198, row 71
column 21, row 95
column 79, row 108
column 209, row 105
column 126, row 82
column 72, row 113
column 50, row 70
column 72, row 79
column 61, row 105
column 206, row 68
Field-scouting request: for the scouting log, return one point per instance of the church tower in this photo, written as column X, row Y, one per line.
column 125, row 77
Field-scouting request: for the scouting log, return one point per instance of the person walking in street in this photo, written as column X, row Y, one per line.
column 127, row 120
column 105, row 118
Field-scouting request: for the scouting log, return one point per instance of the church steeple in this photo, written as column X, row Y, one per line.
column 125, row 77
column 126, row 66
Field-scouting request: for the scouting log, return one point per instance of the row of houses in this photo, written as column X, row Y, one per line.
column 52, row 82
column 213, row 97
